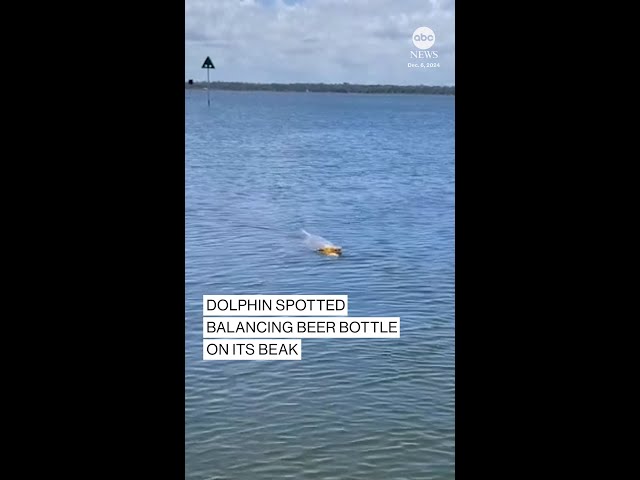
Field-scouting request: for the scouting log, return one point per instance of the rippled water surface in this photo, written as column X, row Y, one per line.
column 374, row 174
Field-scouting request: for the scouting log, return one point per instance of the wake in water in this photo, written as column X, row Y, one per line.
column 321, row 245
column 314, row 242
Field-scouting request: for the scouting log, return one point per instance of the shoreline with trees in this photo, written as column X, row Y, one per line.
column 323, row 87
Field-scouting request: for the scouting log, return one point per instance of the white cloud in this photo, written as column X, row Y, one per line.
column 332, row 41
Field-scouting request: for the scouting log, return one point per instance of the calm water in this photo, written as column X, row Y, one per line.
column 374, row 174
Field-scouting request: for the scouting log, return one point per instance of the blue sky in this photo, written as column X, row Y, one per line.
column 331, row 41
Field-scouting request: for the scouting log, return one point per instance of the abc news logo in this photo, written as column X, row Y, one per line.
column 424, row 38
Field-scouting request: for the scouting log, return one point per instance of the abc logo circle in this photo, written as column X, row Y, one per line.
column 423, row 38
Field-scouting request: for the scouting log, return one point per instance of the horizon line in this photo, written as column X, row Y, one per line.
column 319, row 83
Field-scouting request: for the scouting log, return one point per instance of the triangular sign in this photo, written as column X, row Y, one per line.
column 208, row 63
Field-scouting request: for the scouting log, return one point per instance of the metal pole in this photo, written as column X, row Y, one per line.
column 208, row 88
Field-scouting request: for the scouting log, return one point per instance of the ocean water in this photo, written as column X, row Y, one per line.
column 374, row 174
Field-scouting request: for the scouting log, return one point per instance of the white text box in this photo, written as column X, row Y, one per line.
column 275, row 305
column 301, row 327
column 252, row 349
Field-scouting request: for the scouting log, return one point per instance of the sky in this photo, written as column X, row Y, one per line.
column 329, row 41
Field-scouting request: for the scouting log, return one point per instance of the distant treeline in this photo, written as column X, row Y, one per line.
column 325, row 87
